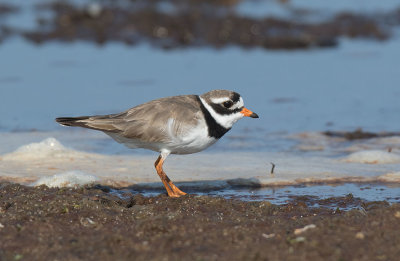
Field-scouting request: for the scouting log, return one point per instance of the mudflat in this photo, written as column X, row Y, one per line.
column 91, row 223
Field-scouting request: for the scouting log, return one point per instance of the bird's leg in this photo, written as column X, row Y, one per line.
column 172, row 185
column 172, row 190
column 164, row 178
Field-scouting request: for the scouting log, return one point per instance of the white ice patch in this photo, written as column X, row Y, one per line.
column 48, row 148
column 66, row 179
column 317, row 141
column 390, row 177
column 373, row 157
column 201, row 170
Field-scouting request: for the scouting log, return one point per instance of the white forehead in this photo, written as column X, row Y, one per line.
column 236, row 105
column 220, row 100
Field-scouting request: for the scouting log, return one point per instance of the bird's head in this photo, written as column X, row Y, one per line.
column 226, row 107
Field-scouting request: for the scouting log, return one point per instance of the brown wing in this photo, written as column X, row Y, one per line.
column 149, row 121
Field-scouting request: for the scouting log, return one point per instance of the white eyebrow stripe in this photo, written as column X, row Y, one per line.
column 220, row 100
column 238, row 105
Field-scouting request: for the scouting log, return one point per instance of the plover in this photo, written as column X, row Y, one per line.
column 179, row 125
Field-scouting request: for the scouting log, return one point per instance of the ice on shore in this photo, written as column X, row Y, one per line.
column 390, row 177
column 66, row 179
column 373, row 157
column 46, row 149
column 50, row 163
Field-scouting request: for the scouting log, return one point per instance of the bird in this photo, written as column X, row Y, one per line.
column 182, row 124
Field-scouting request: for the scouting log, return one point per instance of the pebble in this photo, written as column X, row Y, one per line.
column 94, row 9
column 301, row 230
column 360, row 235
column 299, row 239
column 267, row 236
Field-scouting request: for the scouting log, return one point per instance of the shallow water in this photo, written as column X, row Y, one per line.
column 354, row 85
column 345, row 88
column 313, row 195
column 283, row 195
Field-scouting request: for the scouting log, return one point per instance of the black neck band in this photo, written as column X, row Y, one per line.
column 214, row 128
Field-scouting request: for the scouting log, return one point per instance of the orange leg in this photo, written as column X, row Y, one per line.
column 172, row 190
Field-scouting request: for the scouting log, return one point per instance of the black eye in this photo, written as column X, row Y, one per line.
column 228, row 104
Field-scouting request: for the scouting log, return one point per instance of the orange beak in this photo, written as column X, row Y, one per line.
column 248, row 113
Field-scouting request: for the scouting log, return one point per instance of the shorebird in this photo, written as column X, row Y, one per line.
column 173, row 125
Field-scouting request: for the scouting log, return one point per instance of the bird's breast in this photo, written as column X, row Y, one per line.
column 190, row 139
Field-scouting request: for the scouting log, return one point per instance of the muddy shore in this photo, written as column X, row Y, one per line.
column 197, row 25
column 90, row 224
column 193, row 24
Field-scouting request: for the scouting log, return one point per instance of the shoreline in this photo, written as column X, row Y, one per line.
column 88, row 223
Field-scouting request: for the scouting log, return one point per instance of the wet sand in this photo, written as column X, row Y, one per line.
column 91, row 224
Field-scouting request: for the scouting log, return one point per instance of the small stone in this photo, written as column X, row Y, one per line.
column 267, row 236
column 160, row 32
column 301, row 230
column 360, row 235
column 397, row 214
column 86, row 222
column 299, row 239
column 362, row 211
column 94, row 9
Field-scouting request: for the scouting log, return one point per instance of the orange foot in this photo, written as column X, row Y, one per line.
column 176, row 190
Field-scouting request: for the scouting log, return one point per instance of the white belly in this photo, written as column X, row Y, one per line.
column 190, row 141
column 195, row 140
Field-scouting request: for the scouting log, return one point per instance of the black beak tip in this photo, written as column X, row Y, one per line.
column 254, row 115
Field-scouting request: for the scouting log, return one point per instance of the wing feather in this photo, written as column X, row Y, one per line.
column 153, row 121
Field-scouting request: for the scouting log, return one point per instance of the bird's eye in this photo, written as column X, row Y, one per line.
column 228, row 104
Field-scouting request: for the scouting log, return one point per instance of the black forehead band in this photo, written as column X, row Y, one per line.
column 235, row 97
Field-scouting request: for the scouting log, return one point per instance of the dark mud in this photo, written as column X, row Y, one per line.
column 359, row 134
column 173, row 24
column 206, row 24
column 90, row 224
column 5, row 10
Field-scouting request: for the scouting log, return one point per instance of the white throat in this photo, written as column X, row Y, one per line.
column 225, row 121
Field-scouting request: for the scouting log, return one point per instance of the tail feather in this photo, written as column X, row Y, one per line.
column 101, row 122
column 72, row 121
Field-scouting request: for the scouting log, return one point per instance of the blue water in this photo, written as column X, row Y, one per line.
column 355, row 85
column 313, row 10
